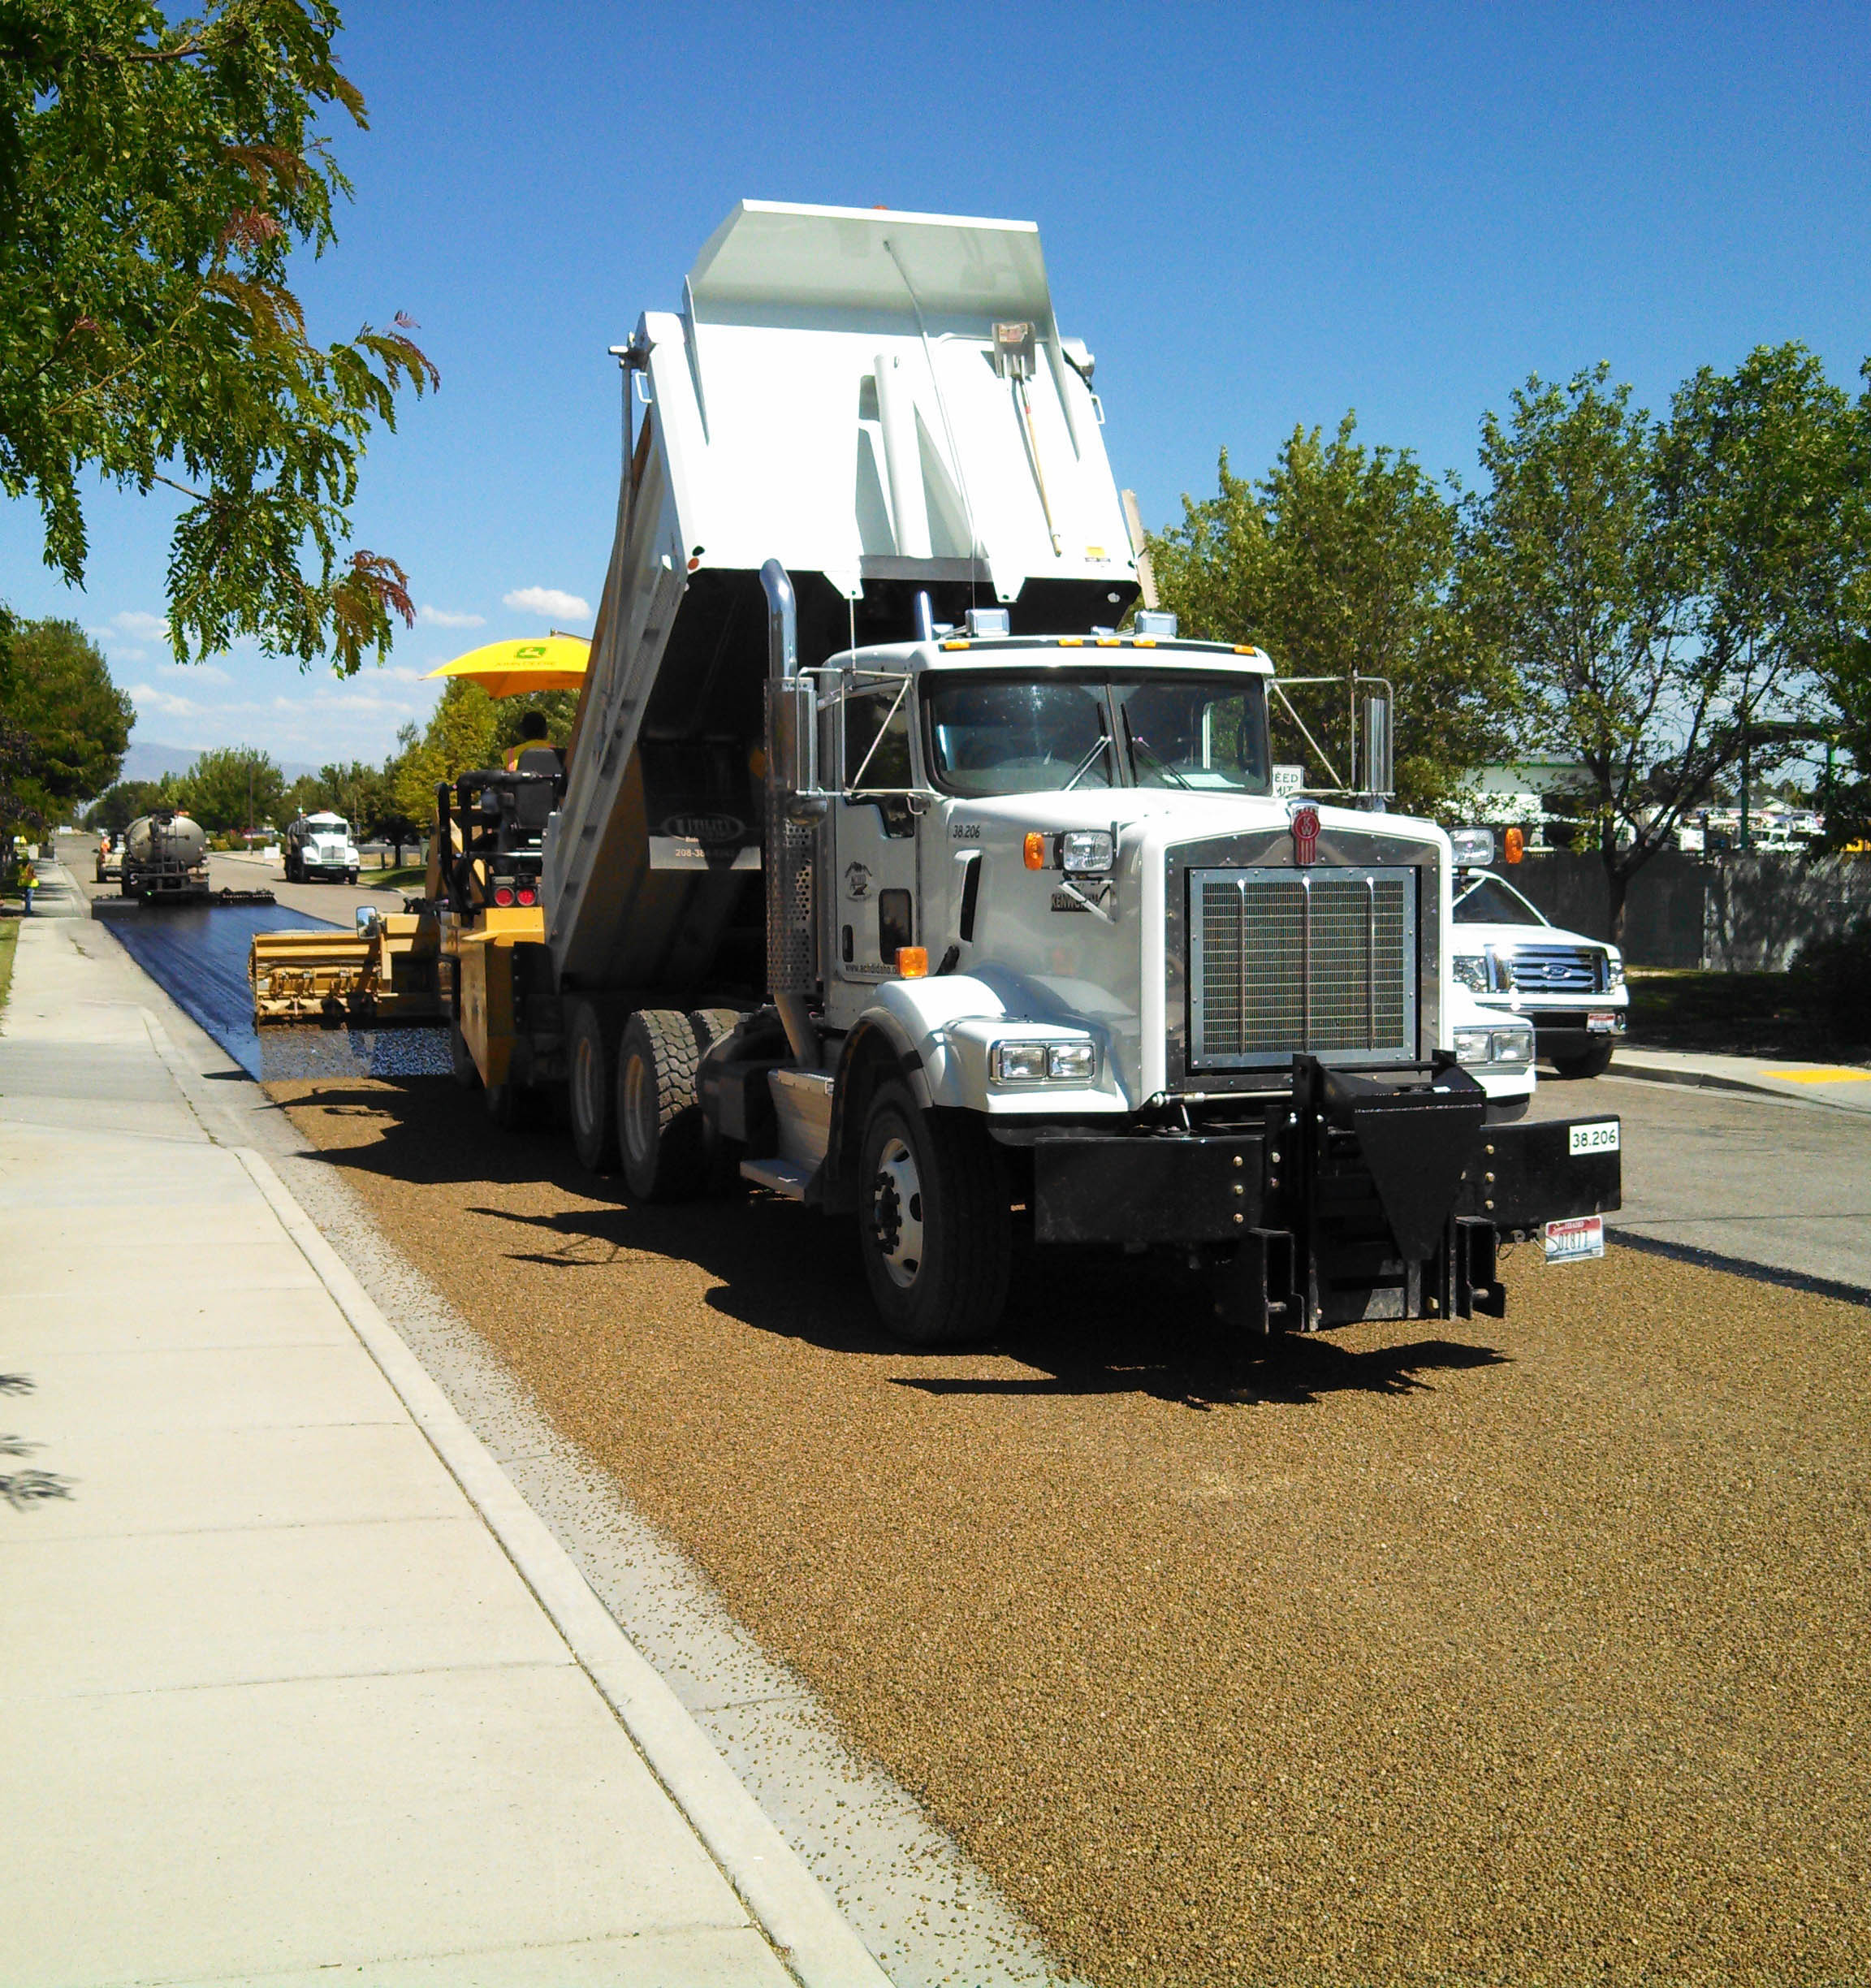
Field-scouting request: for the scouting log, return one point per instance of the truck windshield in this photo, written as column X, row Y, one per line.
column 1002, row 735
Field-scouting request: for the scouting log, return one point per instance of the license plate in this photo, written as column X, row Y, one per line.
column 1601, row 1136
column 1600, row 1024
column 1575, row 1240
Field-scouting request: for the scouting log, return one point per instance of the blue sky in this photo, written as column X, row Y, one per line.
column 1255, row 217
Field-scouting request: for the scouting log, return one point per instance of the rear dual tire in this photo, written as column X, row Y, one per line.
column 661, row 1139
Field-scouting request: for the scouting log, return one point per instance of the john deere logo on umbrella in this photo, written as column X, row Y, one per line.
column 706, row 827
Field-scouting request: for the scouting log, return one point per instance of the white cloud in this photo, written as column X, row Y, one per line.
column 440, row 617
column 548, row 601
column 146, row 697
column 139, row 627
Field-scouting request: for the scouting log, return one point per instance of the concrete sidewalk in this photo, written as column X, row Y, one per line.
column 295, row 1685
column 1846, row 1086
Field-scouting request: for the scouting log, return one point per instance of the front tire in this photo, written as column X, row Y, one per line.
column 591, row 1085
column 934, row 1225
column 1592, row 1062
column 659, row 1115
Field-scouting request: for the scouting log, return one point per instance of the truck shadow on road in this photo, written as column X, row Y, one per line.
column 1079, row 1322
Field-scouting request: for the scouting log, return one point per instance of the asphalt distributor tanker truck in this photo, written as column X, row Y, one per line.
column 886, row 875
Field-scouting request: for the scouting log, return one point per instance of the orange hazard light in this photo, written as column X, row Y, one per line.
column 1515, row 846
column 1035, row 849
column 912, row 962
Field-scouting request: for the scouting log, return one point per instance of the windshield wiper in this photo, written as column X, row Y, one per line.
column 1143, row 746
column 1084, row 766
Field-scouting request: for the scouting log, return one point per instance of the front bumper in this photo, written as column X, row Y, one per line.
column 1353, row 1199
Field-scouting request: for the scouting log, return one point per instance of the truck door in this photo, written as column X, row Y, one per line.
column 875, row 910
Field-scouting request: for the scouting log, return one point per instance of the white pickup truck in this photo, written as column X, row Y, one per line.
column 1514, row 960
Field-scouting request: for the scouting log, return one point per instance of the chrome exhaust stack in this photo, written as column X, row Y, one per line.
column 794, row 807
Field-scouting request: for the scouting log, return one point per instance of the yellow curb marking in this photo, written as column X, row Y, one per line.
column 1822, row 1076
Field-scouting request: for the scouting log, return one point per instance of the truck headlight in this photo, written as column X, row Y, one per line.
column 1036, row 1062
column 1472, row 971
column 1072, row 1062
column 1086, row 852
column 1512, row 1043
column 1019, row 1062
column 1613, row 968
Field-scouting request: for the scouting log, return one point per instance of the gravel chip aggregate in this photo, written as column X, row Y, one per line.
column 1526, row 1651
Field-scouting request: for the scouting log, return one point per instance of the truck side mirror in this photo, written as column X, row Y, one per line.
column 795, row 746
column 1374, row 752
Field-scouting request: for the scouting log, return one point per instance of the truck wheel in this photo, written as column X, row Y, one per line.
column 591, row 1085
column 461, row 1060
column 1592, row 1062
column 722, row 1156
column 933, row 1222
column 658, row 1117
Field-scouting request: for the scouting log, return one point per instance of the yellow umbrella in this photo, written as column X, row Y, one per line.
column 506, row 669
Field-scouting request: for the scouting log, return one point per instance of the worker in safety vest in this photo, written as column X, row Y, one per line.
column 533, row 741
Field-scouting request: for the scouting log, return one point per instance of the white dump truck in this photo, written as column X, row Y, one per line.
column 896, row 872
column 319, row 847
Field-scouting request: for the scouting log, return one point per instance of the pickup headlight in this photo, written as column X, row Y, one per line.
column 1613, row 968
column 1086, row 852
column 1510, row 1043
column 1038, row 1062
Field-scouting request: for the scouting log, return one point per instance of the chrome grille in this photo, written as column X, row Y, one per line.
column 1320, row 960
column 1558, row 970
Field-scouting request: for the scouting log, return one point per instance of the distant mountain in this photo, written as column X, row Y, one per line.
column 149, row 761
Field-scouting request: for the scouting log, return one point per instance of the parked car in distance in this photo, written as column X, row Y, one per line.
column 1515, row 960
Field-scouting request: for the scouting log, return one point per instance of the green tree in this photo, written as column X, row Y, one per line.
column 232, row 787
column 460, row 735
column 1343, row 558
column 1667, row 593
column 119, row 805
column 71, row 724
column 155, row 177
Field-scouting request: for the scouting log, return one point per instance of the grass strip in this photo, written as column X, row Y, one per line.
column 9, row 939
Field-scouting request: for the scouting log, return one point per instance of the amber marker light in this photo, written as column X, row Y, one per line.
column 1516, row 844
column 912, row 962
column 1035, row 850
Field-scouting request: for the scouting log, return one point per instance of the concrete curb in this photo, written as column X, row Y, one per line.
column 785, row 1900
column 1711, row 1080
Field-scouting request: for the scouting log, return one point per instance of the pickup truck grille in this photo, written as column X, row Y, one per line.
column 1558, row 969
column 1319, row 960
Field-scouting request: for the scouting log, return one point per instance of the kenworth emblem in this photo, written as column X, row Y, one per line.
column 1305, row 826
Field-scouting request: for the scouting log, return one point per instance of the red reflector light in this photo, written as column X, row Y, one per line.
column 528, row 896
column 503, row 893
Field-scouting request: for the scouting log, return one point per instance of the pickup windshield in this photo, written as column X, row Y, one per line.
column 1003, row 735
column 1492, row 902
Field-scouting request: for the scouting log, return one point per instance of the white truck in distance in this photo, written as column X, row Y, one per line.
column 888, row 875
column 319, row 846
